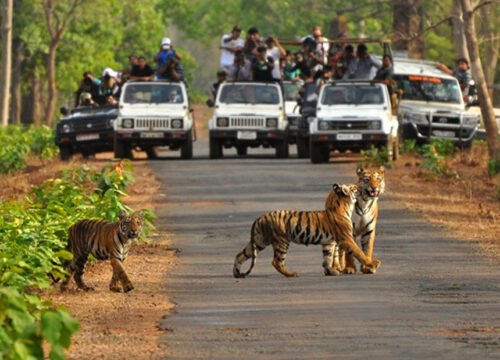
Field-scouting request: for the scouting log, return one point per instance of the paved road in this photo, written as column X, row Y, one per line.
column 431, row 298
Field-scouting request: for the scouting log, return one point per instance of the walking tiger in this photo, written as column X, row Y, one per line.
column 104, row 240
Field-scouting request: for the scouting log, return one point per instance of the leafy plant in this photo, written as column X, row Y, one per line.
column 376, row 156
column 493, row 167
column 410, row 147
column 436, row 157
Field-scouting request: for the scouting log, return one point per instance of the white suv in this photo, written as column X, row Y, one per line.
column 353, row 115
column 153, row 114
column 248, row 114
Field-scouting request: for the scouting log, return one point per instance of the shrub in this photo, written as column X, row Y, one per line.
column 376, row 156
column 436, row 157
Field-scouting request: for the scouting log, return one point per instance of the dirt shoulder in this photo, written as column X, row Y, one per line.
column 112, row 325
column 467, row 207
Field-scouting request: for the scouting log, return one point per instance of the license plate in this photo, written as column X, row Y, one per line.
column 87, row 137
column 246, row 135
column 151, row 135
column 446, row 134
column 349, row 136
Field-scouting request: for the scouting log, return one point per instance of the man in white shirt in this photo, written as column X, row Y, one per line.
column 230, row 43
column 322, row 44
column 276, row 51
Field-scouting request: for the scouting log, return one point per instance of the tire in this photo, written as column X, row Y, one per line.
column 65, row 152
column 215, row 149
column 187, row 148
column 122, row 149
column 319, row 153
column 242, row 150
column 302, row 147
column 282, row 150
column 152, row 154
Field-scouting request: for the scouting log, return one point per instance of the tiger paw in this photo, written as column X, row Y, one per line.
column 349, row 270
column 128, row 287
column 115, row 288
column 368, row 270
column 332, row 272
column 86, row 288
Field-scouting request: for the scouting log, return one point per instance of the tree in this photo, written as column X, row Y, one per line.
column 469, row 9
column 406, row 23
column 7, row 7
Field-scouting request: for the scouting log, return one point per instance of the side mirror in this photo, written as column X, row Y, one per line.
column 64, row 111
column 191, row 110
column 210, row 103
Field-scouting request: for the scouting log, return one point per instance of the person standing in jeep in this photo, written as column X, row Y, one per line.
column 230, row 44
column 262, row 66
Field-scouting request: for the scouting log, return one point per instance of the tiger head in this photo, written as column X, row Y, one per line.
column 371, row 181
column 130, row 225
column 342, row 196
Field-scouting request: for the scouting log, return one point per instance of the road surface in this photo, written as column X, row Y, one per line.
column 431, row 298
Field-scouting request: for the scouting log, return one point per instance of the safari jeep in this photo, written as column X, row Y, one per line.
column 248, row 114
column 153, row 114
column 291, row 92
column 353, row 116
column 432, row 105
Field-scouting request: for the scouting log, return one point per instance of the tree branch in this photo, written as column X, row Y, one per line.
column 484, row 3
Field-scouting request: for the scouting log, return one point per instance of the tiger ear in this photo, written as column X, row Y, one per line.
column 122, row 214
column 140, row 215
column 360, row 170
column 336, row 187
column 381, row 169
column 340, row 189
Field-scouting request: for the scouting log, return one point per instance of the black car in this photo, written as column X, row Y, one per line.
column 87, row 131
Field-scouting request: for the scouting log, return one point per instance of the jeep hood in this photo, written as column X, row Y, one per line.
column 350, row 112
column 419, row 106
column 153, row 110
column 249, row 110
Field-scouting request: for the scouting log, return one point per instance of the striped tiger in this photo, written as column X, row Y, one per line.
column 104, row 240
column 329, row 227
column 372, row 183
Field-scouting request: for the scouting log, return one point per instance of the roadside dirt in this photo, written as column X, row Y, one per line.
column 467, row 207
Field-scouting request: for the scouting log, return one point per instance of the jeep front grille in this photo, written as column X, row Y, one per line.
column 151, row 124
column 352, row 125
column 445, row 119
column 247, row 122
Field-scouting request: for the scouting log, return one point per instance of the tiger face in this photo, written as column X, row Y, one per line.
column 342, row 195
column 371, row 181
column 130, row 225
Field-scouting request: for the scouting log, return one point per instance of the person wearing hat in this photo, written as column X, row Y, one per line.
column 89, row 85
column 221, row 77
column 166, row 52
column 241, row 70
column 252, row 43
column 229, row 45
column 262, row 66
column 110, row 84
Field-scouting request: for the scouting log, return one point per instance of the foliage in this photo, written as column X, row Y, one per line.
column 410, row 147
column 33, row 234
column 436, row 157
column 376, row 156
column 493, row 167
column 19, row 143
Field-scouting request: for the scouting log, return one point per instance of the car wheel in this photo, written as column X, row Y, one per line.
column 187, row 148
column 302, row 147
column 242, row 150
column 65, row 152
column 215, row 149
column 319, row 153
column 282, row 150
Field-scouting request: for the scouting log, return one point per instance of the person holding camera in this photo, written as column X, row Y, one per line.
column 229, row 45
column 252, row 44
column 89, row 85
column 276, row 51
column 142, row 71
column 262, row 66
column 166, row 52
column 241, row 70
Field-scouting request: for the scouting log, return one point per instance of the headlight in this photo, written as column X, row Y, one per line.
column 471, row 120
column 66, row 128
column 271, row 122
column 310, row 119
column 374, row 125
column 415, row 118
column 176, row 123
column 323, row 125
column 128, row 123
column 222, row 122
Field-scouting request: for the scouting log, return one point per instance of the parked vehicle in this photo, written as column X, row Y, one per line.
column 292, row 109
column 432, row 105
column 154, row 114
column 86, row 130
column 307, row 106
column 353, row 115
column 248, row 114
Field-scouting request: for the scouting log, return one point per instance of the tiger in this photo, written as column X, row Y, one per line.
column 372, row 184
column 104, row 240
column 327, row 227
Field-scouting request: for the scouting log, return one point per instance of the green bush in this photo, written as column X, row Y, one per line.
column 34, row 235
column 493, row 167
column 436, row 155
column 410, row 147
column 375, row 156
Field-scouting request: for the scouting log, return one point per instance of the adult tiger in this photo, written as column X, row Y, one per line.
column 329, row 227
column 104, row 240
column 372, row 184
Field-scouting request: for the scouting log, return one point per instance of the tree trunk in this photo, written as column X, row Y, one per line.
column 406, row 23
column 7, row 7
column 482, row 89
column 16, row 82
column 458, row 31
column 51, row 83
column 491, row 45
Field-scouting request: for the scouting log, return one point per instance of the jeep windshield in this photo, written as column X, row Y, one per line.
column 290, row 91
column 429, row 88
column 249, row 94
column 352, row 95
column 153, row 94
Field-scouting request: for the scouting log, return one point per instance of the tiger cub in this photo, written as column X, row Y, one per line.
column 329, row 227
column 372, row 183
column 104, row 240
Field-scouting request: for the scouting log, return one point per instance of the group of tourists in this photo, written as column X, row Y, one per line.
column 94, row 91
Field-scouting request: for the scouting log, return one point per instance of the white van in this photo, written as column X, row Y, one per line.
column 248, row 114
column 432, row 105
column 153, row 114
